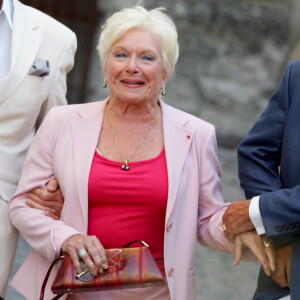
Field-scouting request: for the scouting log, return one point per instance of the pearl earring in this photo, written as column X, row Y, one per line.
column 104, row 84
column 163, row 92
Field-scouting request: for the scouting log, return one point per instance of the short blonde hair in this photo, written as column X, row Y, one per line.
column 155, row 20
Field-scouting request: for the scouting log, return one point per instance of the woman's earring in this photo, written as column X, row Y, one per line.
column 163, row 92
column 104, row 84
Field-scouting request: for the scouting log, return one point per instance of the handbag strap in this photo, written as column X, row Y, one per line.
column 46, row 279
column 139, row 241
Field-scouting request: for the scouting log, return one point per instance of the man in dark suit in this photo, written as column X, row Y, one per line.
column 269, row 171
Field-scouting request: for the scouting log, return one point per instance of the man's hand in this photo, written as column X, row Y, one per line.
column 283, row 265
column 236, row 219
column 50, row 200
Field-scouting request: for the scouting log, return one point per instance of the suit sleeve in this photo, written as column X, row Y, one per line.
column 39, row 230
column 259, row 157
column 58, row 90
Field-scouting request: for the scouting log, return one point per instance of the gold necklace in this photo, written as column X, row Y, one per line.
column 125, row 166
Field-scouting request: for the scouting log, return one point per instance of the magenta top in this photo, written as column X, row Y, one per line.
column 129, row 205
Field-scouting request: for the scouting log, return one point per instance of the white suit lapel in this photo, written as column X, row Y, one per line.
column 85, row 134
column 177, row 139
column 26, row 40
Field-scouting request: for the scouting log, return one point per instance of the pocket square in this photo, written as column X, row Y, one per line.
column 40, row 67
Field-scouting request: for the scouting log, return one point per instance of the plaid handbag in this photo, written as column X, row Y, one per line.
column 128, row 267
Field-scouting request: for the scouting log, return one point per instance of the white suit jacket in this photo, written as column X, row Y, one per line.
column 64, row 148
column 25, row 99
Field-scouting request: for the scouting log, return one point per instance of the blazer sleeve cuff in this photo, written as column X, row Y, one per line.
column 60, row 235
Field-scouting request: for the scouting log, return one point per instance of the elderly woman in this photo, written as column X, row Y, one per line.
column 130, row 167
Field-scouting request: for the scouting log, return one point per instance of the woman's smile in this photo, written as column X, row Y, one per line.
column 134, row 69
column 133, row 83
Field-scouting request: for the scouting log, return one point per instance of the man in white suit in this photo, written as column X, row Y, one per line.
column 36, row 53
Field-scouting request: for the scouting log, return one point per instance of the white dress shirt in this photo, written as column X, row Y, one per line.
column 255, row 216
column 257, row 222
column 6, row 27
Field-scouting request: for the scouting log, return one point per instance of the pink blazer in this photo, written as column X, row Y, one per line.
column 64, row 147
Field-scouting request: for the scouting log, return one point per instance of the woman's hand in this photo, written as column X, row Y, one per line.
column 50, row 200
column 269, row 250
column 265, row 255
column 95, row 258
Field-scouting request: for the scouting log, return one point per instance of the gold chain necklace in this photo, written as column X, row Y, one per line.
column 125, row 166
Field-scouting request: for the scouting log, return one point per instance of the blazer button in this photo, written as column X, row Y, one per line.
column 171, row 272
column 169, row 227
column 278, row 228
column 285, row 227
column 291, row 226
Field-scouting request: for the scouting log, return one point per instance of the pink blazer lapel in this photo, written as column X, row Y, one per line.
column 177, row 138
column 85, row 135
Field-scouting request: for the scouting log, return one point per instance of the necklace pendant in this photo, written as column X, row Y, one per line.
column 125, row 166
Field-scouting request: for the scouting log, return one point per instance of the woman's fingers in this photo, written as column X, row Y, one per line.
column 260, row 254
column 100, row 259
column 260, row 246
column 89, row 250
column 90, row 264
column 253, row 242
column 75, row 259
column 270, row 253
column 269, row 249
column 262, row 258
column 238, row 250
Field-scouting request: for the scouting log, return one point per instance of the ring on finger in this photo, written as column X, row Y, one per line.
column 53, row 210
column 82, row 253
column 267, row 243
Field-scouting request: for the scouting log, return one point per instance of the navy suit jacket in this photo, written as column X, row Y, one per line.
column 269, row 165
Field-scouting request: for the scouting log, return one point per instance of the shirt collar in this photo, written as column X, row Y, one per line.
column 7, row 9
